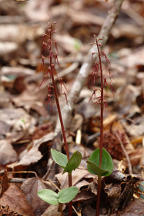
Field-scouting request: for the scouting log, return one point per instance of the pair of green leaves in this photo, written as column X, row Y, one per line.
column 92, row 163
column 64, row 196
column 67, row 165
column 68, row 194
column 106, row 165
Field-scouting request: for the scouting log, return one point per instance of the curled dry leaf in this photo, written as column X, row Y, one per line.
column 32, row 98
column 33, row 155
column 16, row 71
column 52, row 210
column 18, row 121
column 19, row 33
column 30, row 187
column 7, row 153
column 136, row 128
column 134, row 59
column 15, row 199
column 77, row 174
column 7, row 47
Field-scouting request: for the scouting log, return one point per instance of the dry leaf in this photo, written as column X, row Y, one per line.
column 19, row 122
column 33, row 155
column 30, row 187
column 7, row 153
column 15, row 199
column 135, row 208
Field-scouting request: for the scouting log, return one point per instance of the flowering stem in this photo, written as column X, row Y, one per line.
column 101, row 128
column 63, row 130
column 98, row 196
column 52, row 59
column 59, row 113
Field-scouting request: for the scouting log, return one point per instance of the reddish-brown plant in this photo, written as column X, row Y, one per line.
column 49, row 52
column 98, row 73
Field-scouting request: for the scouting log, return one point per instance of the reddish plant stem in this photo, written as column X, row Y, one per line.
column 101, row 128
column 101, row 104
column 48, row 43
column 63, row 130
column 52, row 71
column 98, row 196
column 60, row 115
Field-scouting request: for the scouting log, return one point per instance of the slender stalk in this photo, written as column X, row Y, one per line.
column 52, row 72
column 59, row 113
column 60, row 209
column 101, row 104
column 63, row 131
column 101, row 129
column 98, row 196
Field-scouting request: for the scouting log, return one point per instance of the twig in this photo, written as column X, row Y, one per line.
column 85, row 68
column 139, row 20
column 125, row 153
column 63, row 73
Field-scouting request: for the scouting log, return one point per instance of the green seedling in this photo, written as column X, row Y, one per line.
column 63, row 196
column 106, row 165
column 67, row 165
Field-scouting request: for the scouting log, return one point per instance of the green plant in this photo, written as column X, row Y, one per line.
column 106, row 165
column 67, row 165
column 49, row 52
column 63, row 196
column 68, row 194
column 100, row 162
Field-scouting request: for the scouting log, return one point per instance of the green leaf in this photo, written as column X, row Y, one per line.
column 141, row 186
column 106, row 166
column 59, row 158
column 73, row 162
column 142, row 196
column 68, row 194
column 48, row 196
column 94, row 169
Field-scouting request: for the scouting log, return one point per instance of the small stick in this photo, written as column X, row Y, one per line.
column 85, row 68
column 125, row 153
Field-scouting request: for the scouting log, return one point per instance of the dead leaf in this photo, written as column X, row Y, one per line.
column 51, row 211
column 30, row 187
column 136, row 128
column 32, row 98
column 18, row 121
column 16, row 71
column 4, row 183
column 15, row 199
column 77, row 174
column 7, row 47
column 7, row 153
column 136, row 156
column 29, row 156
column 18, row 33
column 135, row 208
column 135, row 58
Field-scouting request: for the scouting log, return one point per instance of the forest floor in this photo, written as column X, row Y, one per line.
column 29, row 125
